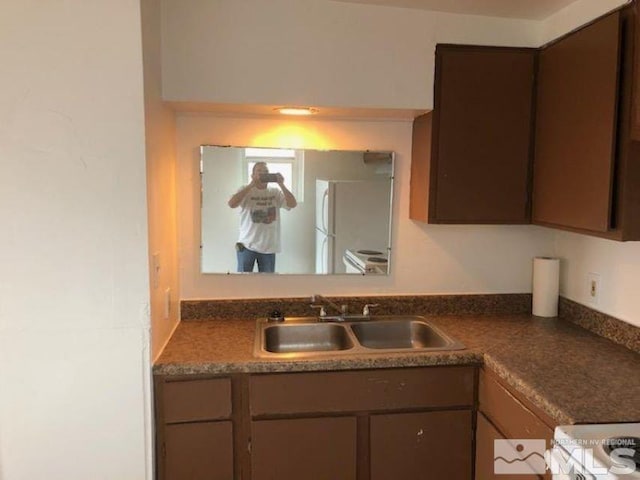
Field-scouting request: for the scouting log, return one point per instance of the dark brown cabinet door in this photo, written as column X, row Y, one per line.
column 576, row 117
column 308, row 448
column 632, row 17
column 481, row 140
column 198, row 451
column 486, row 433
column 421, row 446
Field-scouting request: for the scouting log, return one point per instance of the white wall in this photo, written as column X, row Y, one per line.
column 221, row 178
column 617, row 263
column 74, row 298
column 425, row 259
column 315, row 52
column 573, row 16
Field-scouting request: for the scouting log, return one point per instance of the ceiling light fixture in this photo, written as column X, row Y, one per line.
column 297, row 110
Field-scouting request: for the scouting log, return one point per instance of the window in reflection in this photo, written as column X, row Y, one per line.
column 288, row 162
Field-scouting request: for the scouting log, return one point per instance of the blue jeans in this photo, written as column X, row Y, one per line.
column 247, row 259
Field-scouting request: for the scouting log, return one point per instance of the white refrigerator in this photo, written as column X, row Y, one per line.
column 350, row 214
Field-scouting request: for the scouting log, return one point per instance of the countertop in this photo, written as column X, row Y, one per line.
column 571, row 374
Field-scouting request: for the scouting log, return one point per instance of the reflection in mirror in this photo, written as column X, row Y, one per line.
column 323, row 212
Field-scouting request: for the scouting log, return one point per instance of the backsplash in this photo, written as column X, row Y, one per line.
column 495, row 304
column 600, row 323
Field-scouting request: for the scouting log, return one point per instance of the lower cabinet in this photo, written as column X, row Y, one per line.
column 194, row 429
column 503, row 415
column 421, row 446
column 486, row 434
column 382, row 424
column 199, row 450
column 309, row 448
column 389, row 424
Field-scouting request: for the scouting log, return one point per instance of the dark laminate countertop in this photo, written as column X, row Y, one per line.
column 568, row 372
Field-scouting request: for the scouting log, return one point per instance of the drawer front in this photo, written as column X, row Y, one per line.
column 194, row 400
column 486, row 435
column 366, row 390
column 508, row 413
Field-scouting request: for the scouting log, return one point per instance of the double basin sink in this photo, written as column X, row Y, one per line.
column 307, row 337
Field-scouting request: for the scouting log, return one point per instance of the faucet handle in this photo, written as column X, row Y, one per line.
column 366, row 311
column 323, row 312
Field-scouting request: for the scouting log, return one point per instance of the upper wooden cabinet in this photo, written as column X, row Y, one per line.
column 471, row 155
column 561, row 123
column 587, row 161
column 576, row 124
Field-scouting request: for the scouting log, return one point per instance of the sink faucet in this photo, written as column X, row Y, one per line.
column 318, row 301
column 366, row 311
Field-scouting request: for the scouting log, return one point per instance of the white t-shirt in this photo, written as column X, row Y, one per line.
column 260, row 219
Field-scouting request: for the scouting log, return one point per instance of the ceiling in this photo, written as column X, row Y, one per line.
column 525, row 9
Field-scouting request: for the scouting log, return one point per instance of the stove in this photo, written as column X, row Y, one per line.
column 596, row 452
column 365, row 261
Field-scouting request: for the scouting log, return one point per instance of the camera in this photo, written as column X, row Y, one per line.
column 268, row 177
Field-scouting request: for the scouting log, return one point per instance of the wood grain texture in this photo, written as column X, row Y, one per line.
column 420, row 168
column 421, row 446
column 481, row 152
column 306, row 448
column 354, row 391
column 576, row 128
column 193, row 400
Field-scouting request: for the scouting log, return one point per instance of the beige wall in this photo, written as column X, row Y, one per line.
column 160, row 134
column 316, row 52
column 425, row 258
column 74, row 308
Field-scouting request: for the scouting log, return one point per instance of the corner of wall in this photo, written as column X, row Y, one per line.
column 160, row 132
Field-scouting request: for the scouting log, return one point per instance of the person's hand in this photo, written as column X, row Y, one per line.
column 280, row 179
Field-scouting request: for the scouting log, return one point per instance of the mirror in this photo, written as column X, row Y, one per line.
column 337, row 223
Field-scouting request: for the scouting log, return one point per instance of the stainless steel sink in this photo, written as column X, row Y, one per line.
column 314, row 337
column 401, row 334
column 307, row 337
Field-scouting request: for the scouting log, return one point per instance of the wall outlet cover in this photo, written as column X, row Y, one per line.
column 167, row 303
column 594, row 284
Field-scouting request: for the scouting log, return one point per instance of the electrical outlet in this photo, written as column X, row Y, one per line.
column 155, row 270
column 167, row 303
column 593, row 287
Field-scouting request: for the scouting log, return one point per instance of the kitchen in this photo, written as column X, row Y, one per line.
column 78, row 303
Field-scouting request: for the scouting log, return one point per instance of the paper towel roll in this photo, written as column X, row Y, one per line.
column 546, row 286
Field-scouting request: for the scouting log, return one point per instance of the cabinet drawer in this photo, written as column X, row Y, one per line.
column 486, row 435
column 366, row 390
column 508, row 413
column 192, row 400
